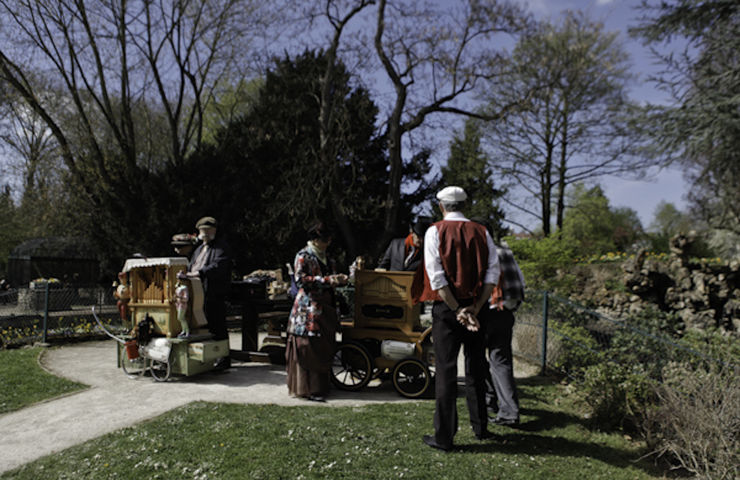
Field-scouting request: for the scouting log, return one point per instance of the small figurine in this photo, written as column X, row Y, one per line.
column 123, row 294
column 182, row 295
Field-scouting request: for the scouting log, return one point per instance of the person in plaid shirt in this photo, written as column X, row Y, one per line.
column 498, row 324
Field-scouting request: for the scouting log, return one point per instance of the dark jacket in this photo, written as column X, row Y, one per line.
column 395, row 255
column 216, row 273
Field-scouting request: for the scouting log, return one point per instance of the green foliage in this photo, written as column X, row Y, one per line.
column 577, row 348
column 701, row 128
column 617, row 394
column 544, row 261
column 25, row 382
column 594, row 227
column 667, row 222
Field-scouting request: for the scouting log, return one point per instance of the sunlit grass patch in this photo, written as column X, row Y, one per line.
column 24, row 382
column 227, row 441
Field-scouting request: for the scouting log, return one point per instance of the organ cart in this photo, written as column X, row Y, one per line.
column 164, row 312
column 385, row 337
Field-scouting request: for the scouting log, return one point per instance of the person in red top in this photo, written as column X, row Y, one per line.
column 461, row 266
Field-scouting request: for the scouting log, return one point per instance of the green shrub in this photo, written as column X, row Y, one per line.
column 545, row 262
column 617, row 395
column 572, row 349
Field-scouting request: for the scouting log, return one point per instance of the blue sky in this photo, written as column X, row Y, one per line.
column 618, row 15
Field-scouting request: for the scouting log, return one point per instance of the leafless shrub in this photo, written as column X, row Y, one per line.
column 697, row 420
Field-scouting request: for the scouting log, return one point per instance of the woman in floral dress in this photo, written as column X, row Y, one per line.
column 313, row 320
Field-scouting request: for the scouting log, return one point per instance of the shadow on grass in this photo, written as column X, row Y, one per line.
column 558, row 446
column 540, row 433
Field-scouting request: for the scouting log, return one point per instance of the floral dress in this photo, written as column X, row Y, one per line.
column 314, row 297
column 311, row 328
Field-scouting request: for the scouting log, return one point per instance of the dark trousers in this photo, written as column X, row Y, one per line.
column 215, row 310
column 448, row 336
column 501, row 395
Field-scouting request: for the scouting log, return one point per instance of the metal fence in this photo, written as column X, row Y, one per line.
column 561, row 335
column 47, row 310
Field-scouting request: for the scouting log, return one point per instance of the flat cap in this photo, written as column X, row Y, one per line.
column 206, row 222
column 451, row 194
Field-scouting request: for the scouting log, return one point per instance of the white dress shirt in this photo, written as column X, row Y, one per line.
column 433, row 262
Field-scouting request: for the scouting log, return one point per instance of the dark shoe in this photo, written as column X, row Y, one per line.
column 316, row 398
column 507, row 422
column 429, row 440
column 486, row 435
column 222, row 364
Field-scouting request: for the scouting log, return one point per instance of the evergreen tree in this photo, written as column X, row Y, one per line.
column 277, row 182
column 467, row 167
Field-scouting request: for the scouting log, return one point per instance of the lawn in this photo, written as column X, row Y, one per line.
column 24, row 382
column 381, row 441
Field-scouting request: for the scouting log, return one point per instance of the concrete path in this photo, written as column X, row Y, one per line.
column 114, row 401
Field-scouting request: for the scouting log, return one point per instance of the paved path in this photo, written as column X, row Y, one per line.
column 114, row 401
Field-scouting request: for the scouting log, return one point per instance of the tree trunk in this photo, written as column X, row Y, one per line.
column 562, row 169
column 546, row 186
column 394, row 134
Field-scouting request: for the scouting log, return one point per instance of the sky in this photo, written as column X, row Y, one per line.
column 617, row 15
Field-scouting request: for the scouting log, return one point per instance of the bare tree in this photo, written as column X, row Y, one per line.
column 433, row 60
column 575, row 128
column 135, row 77
column 338, row 16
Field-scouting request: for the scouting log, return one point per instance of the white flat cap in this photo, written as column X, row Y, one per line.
column 451, row 194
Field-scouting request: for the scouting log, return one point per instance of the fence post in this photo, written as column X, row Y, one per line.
column 46, row 311
column 543, row 365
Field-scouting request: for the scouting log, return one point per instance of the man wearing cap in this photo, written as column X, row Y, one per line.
column 462, row 268
column 405, row 254
column 184, row 243
column 211, row 262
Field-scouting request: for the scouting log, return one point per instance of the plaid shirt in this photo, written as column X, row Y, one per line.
column 511, row 280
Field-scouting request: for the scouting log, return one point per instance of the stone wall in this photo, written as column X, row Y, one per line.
column 701, row 293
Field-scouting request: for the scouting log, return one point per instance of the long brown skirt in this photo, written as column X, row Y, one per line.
column 309, row 359
column 307, row 366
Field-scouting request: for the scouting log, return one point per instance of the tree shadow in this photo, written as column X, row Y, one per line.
column 558, row 446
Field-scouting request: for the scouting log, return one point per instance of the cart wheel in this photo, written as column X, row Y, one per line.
column 160, row 370
column 352, row 368
column 135, row 367
column 411, row 378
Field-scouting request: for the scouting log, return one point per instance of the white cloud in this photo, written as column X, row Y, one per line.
column 604, row 2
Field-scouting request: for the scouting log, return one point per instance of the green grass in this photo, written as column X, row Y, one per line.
column 381, row 441
column 24, row 382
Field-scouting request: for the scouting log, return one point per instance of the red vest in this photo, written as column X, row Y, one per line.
column 463, row 250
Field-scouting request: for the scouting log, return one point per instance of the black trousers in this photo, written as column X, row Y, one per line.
column 215, row 309
column 449, row 335
column 501, row 394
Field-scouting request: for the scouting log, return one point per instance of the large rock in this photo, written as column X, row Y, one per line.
column 701, row 294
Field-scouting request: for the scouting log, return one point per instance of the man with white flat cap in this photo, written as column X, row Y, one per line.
column 461, row 264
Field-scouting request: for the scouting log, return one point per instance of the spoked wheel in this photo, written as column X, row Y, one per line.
column 411, row 378
column 352, row 368
column 160, row 370
column 133, row 367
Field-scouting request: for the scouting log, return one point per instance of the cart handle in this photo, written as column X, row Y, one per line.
column 100, row 324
